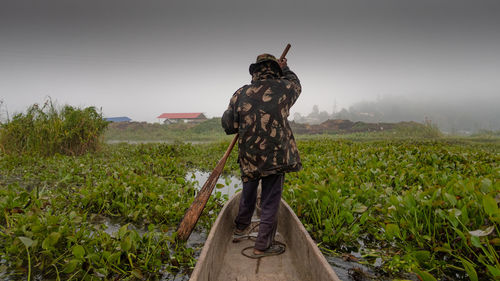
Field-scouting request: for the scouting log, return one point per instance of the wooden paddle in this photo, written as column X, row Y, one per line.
column 193, row 213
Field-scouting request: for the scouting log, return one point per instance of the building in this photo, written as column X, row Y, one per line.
column 118, row 119
column 169, row 118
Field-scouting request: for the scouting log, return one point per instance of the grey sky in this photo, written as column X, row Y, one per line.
column 142, row 58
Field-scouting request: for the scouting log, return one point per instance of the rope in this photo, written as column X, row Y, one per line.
column 249, row 237
column 254, row 257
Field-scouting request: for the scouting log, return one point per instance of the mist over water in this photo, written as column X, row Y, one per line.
column 460, row 115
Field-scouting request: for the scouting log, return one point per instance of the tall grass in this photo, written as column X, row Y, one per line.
column 47, row 130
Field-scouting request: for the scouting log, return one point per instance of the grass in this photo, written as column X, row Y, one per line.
column 46, row 130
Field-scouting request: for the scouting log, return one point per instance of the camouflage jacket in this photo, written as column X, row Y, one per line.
column 258, row 113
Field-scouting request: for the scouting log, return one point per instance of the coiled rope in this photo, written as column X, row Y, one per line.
column 252, row 238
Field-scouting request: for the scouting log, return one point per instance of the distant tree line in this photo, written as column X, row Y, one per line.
column 455, row 116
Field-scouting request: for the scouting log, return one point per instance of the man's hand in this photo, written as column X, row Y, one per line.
column 282, row 63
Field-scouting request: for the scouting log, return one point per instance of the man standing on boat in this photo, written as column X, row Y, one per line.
column 258, row 112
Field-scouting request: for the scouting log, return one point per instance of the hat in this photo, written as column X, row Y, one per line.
column 265, row 58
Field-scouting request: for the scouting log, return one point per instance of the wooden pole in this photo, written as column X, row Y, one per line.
column 283, row 55
column 193, row 213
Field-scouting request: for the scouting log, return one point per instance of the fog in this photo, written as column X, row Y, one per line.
column 143, row 58
column 463, row 116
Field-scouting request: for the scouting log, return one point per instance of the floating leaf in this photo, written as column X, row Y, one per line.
column 114, row 258
column 126, row 244
column 180, row 180
column 26, row 241
column 348, row 216
column 490, row 205
column 392, row 230
column 480, row 232
column 475, row 241
column 123, row 230
column 422, row 256
column 94, row 257
column 71, row 266
column 219, row 185
column 51, row 240
column 78, row 251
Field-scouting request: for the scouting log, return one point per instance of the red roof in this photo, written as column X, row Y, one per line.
column 180, row 115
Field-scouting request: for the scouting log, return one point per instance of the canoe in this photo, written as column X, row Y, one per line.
column 221, row 259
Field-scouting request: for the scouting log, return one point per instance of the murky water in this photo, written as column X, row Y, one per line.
column 226, row 184
column 112, row 225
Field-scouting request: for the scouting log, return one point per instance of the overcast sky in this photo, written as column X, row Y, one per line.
column 143, row 58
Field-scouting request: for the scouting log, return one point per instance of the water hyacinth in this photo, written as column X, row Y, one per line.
column 51, row 207
column 434, row 204
column 428, row 207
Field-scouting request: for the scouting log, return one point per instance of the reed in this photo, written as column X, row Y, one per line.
column 46, row 130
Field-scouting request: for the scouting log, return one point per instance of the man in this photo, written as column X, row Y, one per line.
column 258, row 112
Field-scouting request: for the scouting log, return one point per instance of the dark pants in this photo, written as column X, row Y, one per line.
column 272, row 187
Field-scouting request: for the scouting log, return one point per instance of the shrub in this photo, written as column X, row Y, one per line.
column 46, row 130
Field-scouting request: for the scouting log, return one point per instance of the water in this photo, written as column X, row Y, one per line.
column 112, row 225
column 354, row 271
column 226, row 184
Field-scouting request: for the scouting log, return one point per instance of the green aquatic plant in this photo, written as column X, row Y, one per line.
column 62, row 204
column 414, row 204
column 423, row 206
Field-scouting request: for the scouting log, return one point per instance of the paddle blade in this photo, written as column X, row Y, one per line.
column 193, row 213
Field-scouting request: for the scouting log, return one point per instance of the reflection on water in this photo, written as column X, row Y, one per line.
column 112, row 225
column 195, row 241
column 226, row 184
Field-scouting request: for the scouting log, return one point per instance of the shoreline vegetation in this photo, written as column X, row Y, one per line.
column 404, row 199
column 211, row 130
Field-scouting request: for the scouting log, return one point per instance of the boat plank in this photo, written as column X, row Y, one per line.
column 222, row 260
column 238, row 267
